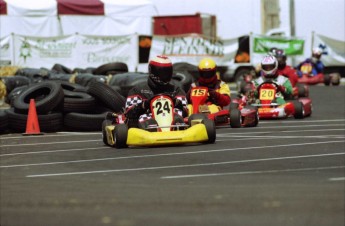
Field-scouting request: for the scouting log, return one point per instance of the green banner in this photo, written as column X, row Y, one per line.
column 290, row 46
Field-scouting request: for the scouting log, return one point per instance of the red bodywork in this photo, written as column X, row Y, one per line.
column 199, row 97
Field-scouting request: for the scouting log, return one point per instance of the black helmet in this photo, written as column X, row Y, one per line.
column 160, row 70
column 281, row 57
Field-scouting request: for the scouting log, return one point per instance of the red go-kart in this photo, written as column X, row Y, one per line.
column 321, row 78
column 236, row 118
column 268, row 108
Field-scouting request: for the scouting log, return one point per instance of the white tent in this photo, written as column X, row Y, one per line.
column 47, row 18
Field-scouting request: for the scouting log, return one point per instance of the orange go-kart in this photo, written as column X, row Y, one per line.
column 234, row 117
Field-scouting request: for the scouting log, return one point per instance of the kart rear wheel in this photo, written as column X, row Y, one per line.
column 211, row 130
column 235, row 118
column 299, row 110
column 326, row 79
column 120, row 134
column 335, row 79
column 302, row 92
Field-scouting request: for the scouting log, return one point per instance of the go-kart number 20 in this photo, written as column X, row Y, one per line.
column 162, row 106
column 266, row 94
column 199, row 92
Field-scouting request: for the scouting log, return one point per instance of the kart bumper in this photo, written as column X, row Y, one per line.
column 140, row 137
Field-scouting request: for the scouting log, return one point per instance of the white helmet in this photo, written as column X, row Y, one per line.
column 269, row 66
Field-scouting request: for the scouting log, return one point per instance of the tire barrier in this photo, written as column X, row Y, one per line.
column 3, row 121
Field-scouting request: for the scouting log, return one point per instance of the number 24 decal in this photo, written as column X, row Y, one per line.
column 162, row 107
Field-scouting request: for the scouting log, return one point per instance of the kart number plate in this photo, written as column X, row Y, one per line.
column 199, row 92
column 306, row 68
column 267, row 94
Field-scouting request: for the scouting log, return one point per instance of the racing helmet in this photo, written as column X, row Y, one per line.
column 207, row 72
column 160, row 70
column 269, row 66
column 316, row 53
column 281, row 58
column 272, row 51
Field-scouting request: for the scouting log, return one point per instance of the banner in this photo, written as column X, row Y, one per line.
column 5, row 50
column 333, row 51
column 291, row 46
column 75, row 51
column 192, row 48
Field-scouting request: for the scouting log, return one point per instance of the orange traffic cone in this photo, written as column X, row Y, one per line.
column 32, row 126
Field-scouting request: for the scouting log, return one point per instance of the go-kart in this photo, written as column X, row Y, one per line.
column 234, row 117
column 308, row 78
column 117, row 132
column 267, row 106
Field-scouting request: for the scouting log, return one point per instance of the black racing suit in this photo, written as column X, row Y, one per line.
column 136, row 112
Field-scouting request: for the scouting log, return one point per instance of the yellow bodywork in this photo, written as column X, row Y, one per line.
column 194, row 134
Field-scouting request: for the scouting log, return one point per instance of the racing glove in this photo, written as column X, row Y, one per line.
column 221, row 99
column 281, row 89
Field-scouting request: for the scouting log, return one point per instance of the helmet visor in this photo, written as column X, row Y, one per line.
column 268, row 67
column 207, row 73
column 164, row 74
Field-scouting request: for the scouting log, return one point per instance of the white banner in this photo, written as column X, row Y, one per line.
column 5, row 50
column 333, row 50
column 75, row 51
column 192, row 48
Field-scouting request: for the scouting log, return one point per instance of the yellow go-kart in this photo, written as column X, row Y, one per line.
column 166, row 131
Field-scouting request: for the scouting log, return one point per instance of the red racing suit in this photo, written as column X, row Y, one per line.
column 290, row 73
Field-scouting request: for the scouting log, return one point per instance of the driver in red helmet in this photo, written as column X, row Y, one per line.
column 160, row 71
column 219, row 91
column 269, row 71
column 284, row 69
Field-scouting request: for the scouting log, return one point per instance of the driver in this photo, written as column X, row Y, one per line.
column 269, row 69
column 219, row 91
column 284, row 69
column 315, row 60
column 137, row 104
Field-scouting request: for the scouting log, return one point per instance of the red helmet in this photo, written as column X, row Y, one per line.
column 207, row 72
column 269, row 66
column 160, row 70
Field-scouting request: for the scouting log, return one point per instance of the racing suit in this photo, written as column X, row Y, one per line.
column 284, row 87
column 219, row 96
column 137, row 105
column 290, row 73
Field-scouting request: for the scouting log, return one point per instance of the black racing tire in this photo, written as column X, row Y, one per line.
column 111, row 68
column 3, row 121
column 73, row 86
column 196, row 116
column 299, row 110
column 120, row 134
column 47, row 95
column 78, row 102
column 233, row 105
column 211, row 130
column 326, row 79
column 108, row 96
column 14, row 94
column 74, row 121
column 184, row 80
column 335, row 79
column 302, row 92
column 52, row 122
column 61, row 69
column 235, row 118
column 12, row 82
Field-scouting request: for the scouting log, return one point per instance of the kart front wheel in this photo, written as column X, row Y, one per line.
column 105, row 123
column 235, row 118
column 120, row 134
column 211, row 130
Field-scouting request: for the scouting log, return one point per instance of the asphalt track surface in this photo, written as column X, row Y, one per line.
column 283, row 172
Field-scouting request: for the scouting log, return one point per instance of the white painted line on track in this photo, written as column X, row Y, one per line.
column 284, row 131
column 58, row 134
column 184, row 166
column 251, row 172
column 53, row 151
column 171, row 154
column 62, row 142
column 337, row 179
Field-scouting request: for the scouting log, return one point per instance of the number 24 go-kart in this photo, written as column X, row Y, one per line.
column 116, row 133
column 234, row 117
column 269, row 109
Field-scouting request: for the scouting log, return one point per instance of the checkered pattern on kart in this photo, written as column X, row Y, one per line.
column 133, row 100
